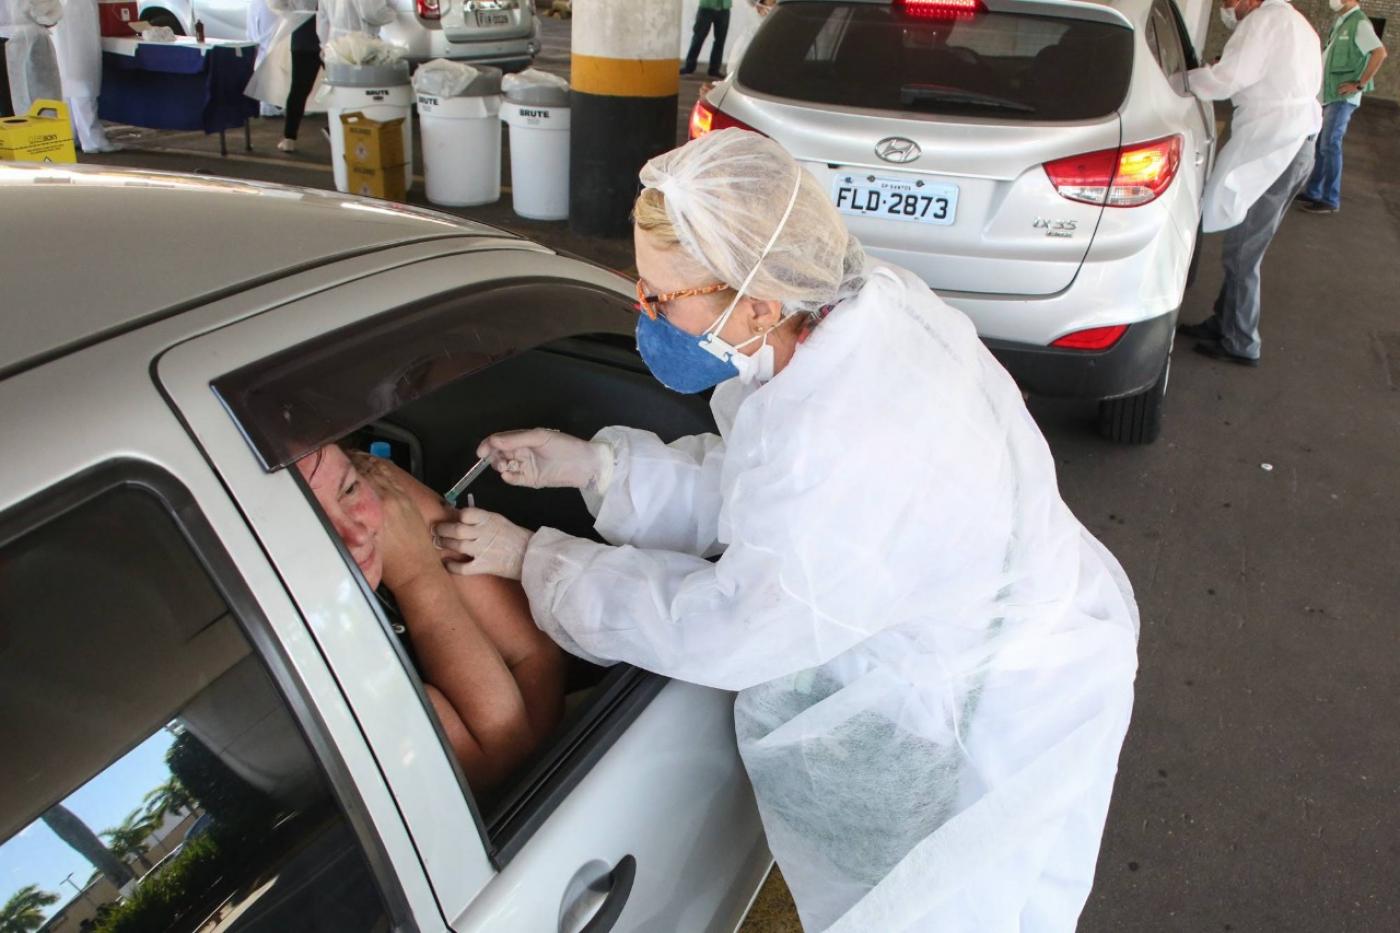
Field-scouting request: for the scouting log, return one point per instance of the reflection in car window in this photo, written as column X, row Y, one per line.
column 153, row 778
column 1168, row 41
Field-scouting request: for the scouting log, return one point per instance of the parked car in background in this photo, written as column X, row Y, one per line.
column 200, row 613
column 1040, row 163
column 504, row 33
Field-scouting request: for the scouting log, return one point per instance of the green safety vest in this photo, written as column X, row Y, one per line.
column 1345, row 61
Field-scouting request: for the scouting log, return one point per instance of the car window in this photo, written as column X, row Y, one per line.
column 1167, row 41
column 153, row 776
column 419, row 387
column 877, row 56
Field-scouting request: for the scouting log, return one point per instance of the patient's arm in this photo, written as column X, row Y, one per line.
column 500, row 607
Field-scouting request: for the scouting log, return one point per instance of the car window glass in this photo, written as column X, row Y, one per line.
column 153, row 778
column 1171, row 56
column 879, row 56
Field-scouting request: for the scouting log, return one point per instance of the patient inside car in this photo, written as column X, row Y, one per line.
column 495, row 680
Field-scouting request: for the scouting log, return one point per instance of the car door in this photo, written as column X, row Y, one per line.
column 638, row 816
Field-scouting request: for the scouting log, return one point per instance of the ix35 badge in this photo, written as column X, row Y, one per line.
column 1057, row 228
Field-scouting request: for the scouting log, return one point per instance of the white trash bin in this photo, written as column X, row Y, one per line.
column 539, row 118
column 462, row 143
column 380, row 92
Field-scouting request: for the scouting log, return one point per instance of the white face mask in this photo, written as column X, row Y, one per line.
column 758, row 367
column 1227, row 16
column 1336, row 5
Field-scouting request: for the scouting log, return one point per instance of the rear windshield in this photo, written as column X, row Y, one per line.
column 879, row 57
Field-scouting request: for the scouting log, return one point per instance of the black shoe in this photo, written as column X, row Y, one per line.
column 1317, row 207
column 1303, row 200
column 1205, row 330
column 688, row 70
column 715, row 74
column 1216, row 351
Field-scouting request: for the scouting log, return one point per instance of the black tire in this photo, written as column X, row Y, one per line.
column 1136, row 419
column 160, row 17
column 1195, row 265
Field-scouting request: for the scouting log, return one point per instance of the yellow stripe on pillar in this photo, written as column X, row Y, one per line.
column 626, row 77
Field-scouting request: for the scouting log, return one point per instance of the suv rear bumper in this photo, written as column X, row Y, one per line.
column 1131, row 365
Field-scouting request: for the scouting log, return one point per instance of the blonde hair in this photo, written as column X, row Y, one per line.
column 649, row 213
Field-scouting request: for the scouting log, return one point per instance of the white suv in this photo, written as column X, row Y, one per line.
column 504, row 33
column 1039, row 163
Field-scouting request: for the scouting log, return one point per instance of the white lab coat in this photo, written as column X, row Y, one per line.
column 272, row 79
column 336, row 18
column 934, row 658
column 1271, row 70
column 78, row 40
column 31, row 64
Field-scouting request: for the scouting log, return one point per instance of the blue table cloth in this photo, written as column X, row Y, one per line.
column 177, row 86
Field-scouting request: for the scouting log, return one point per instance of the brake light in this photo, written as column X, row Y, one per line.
column 1095, row 338
column 706, row 118
column 940, row 9
column 1125, row 177
column 430, row 9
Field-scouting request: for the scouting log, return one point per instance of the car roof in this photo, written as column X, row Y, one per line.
column 90, row 250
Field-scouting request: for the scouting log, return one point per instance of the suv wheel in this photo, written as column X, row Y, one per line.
column 159, row 17
column 1136, row 419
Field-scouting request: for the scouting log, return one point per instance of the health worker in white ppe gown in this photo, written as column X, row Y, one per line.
column 31, row 65
column 934, row 660
column 78, row 39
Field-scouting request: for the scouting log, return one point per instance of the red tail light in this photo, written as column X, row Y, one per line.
column 706, row 118
column 429, row 9
column 940, row 9
column 1125, row 177
column 1095, row 338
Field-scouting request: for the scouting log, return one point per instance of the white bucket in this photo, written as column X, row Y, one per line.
column 461, row 149
column 539, row 160
column 381, row 104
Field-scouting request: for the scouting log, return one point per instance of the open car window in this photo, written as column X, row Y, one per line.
column 421, row 385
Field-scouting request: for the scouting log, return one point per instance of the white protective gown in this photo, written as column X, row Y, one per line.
column 934, row 659
column 1271, row 70
column 30, row 61
column 78, row 40
column 272, row 79
column 336, row 18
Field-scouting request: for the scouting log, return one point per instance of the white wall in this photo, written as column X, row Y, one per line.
column 1197, row 14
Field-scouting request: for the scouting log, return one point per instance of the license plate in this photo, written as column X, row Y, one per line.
column 492, row 19
column 907, row 199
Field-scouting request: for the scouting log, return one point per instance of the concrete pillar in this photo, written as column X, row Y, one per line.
column 626, row 80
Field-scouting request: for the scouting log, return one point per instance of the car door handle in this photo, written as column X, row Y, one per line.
column 1200, row 156
column 595, row 896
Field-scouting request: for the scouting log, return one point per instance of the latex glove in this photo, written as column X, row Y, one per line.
column 495, row 544
column 541, row 458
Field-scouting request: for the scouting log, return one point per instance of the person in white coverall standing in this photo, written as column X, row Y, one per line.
column 1271, row 70
column 78, row 38
column 31, row 65
column 336, row 18
column 934, row 659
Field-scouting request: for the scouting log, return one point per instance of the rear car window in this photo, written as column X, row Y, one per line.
column 882, row 57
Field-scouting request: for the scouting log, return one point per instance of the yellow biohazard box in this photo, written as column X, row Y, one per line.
column 372, row 143
column 387, row 183
column 45, row 135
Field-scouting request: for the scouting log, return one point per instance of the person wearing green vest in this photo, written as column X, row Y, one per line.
column 710, row 13
column 1354, row 55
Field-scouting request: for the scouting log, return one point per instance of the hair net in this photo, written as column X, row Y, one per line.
column 726, row 194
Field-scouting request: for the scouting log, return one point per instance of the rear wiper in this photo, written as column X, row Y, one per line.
column 912, row 94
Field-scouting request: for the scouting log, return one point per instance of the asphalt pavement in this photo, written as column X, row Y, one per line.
column 1258, row 788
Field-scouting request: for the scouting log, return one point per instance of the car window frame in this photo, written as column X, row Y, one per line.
column 180, row 505
column 1162, row 17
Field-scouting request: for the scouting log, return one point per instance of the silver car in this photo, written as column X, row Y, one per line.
column 1039, row 163
column 174, row 603
column 504, row 33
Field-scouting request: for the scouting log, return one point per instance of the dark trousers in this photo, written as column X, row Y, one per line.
column 5, row 109
column 305, row 66
column 704, row 19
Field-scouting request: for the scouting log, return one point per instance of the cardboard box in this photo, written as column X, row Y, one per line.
column 386, row 182
column 114, row 18
column 371, row 143
column 45, row 135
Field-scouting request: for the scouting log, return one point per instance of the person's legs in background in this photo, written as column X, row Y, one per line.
column 1237, row 310
column 91, row 136
column 703, row 20
column 1324, row 186
column 305, row 66
column 717, row 50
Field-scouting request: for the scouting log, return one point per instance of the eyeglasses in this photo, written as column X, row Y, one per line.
column 650, row 304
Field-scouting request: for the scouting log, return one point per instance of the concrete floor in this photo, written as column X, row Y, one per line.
column 1258, row 789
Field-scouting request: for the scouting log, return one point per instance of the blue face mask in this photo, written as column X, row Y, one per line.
column 677, row 359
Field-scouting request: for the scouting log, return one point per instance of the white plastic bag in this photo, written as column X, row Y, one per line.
column 443, row 78
column 356, row 48
column 158, row 34
column 532, row 77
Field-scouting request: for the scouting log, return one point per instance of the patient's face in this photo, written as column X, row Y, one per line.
column 351, row 504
